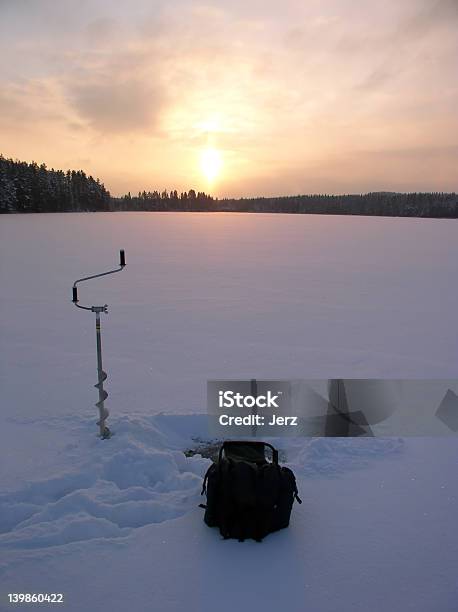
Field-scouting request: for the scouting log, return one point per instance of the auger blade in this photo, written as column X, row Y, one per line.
column 103, row 377
column 99, row 404
column 102, row 420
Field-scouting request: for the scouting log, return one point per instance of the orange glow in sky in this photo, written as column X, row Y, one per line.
column 235, row 98
column 210, row 162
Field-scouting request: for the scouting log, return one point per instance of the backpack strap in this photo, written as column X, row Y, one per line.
column 295, row 491
column 204, row 484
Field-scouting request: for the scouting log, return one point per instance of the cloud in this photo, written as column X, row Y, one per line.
column 117, row 105
column 387, row 50
column 434, row 13
column 26, row 103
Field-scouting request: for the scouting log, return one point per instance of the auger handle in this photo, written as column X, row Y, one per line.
column 122, row 264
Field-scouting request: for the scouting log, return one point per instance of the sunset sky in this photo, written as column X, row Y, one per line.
column 256, row 97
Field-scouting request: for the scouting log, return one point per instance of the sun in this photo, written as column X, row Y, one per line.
column 210, row 163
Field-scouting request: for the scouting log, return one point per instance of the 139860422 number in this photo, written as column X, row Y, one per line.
column 35, row 598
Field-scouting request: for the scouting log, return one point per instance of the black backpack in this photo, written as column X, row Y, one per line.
column 247, row 496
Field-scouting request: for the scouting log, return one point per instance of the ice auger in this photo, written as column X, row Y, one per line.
column 103, row 412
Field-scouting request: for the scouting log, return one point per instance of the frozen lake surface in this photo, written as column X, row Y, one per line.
column 220, row 296
column 114, row 524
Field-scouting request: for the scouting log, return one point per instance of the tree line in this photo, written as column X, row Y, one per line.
column 28, row 187
column 383, row 204
column 165, row 200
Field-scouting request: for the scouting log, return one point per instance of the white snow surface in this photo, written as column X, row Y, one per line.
column 114, row 524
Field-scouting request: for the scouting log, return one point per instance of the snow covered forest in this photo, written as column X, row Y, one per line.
column 34, row 188
column 381, row 204
column 30, row 188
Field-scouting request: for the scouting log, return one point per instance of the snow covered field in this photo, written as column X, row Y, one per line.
column 114, row 525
